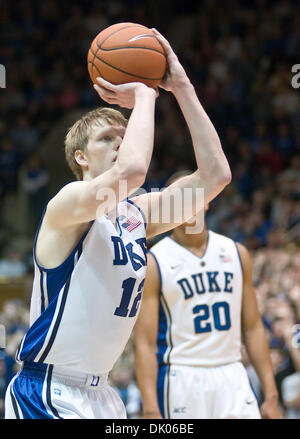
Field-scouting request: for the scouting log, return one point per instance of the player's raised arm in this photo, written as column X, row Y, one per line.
column 113, row 154
column 213, row 172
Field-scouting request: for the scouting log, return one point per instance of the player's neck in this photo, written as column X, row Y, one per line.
column 190, row 240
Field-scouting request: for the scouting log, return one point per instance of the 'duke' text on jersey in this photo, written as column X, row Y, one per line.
column 123, row 253
column 208, row 281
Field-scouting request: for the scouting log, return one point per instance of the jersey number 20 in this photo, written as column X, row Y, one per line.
column 217, row 308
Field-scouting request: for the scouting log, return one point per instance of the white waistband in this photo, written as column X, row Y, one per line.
column 64, row 375
column 76, row 378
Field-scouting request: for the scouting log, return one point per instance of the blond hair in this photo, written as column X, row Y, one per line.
column 78, row 135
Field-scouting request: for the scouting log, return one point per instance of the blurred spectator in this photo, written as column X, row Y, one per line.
column 9, row 164
column 15, row 317
column 11, row 265
column 35, row 181
column 291, row 395
column 124, row 383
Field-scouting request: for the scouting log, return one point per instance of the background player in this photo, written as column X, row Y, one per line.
column 90, row 251
column 198, row 295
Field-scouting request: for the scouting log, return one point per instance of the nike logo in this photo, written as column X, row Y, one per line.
column 175, row 266
column 139, row 37
column 250, row 402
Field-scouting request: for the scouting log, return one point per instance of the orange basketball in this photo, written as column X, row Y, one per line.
column 127, row 52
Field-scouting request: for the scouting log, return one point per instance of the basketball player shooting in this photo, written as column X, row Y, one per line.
column 90, row 250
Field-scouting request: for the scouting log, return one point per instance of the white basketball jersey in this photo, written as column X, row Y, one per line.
column 200, row 303
column 83, row 312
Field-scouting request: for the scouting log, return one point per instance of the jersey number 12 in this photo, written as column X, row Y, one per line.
column 128, row 286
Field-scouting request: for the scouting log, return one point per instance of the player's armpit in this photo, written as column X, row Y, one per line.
column 83, row 201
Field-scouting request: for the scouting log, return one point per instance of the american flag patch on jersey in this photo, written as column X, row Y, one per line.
column 225, row 258
column 131, row 223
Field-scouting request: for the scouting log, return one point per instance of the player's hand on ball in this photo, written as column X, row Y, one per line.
column 175, row 76
column 122, row 94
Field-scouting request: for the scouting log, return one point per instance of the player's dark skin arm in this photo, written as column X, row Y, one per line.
column 255, row 340
column 145, row 334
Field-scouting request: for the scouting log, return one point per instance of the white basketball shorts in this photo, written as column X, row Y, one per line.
column 222, row 392
column 44, row 391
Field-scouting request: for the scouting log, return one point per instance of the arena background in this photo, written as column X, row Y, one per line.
column 239, row 56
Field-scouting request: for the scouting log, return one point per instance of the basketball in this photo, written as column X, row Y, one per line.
column 127, row 52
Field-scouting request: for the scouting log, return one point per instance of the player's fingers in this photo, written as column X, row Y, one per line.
column 164, row 42
column 104, row 91
column 105, row 94
column 105, row 84
column 160, row 36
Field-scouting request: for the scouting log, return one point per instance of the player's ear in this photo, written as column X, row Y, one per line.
column 81, row 159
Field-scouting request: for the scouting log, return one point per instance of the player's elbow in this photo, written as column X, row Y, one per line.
column 221, row 173
column 134, row 175
column 225, row 176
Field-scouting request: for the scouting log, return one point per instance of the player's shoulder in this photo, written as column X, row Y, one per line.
column 244, row 254
column 161, row 244
column 66, row 192
column 214, row 236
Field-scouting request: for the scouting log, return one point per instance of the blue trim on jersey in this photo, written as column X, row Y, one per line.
column 162, row 375
column 161, row 341
column 56, row 279
column 26, row 392
column 193, row 254
column 37, row 333
column 68, row 259
column 158, row 269
column 14, row 403
column 240, row 259
column 163, row 327
column 252, row 388
column 142, row 213
column 119, row 227
column 27, row 389
column 57, row 323
column 48, row 392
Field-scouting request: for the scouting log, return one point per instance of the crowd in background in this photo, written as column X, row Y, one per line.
column 239, row 57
